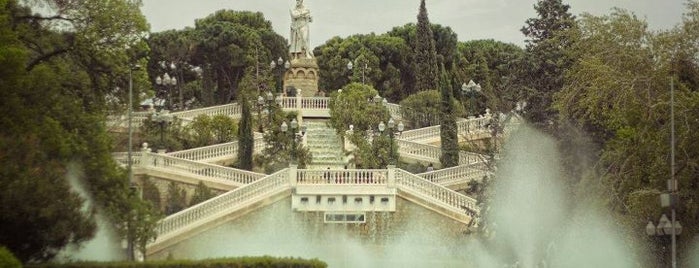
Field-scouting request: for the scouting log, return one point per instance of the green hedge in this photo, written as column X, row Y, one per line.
column 7, row 260
column 240, row 262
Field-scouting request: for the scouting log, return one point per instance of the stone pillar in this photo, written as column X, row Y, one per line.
column 292, row 175
column 145, row 156
column 391, row 176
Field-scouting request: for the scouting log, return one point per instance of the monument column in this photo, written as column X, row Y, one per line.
column 303, row 71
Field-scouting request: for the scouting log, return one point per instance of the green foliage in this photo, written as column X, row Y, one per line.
column 279, row 145
column 151, row 193
column 205, row 130
column 618, row 93
column 224, row 44
column 355, row 106
column 246, row 143
column 425, row 64
column 423, row 108
column 448, row 130
column 388, row 57
column 546, row 60
column 175, row 136
column 238, row 262
column 494, row 65
column 7, row 260
column 201, row 194
column 176, row 198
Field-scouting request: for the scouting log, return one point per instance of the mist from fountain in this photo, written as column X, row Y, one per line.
column 105, row 245
column 534, row 223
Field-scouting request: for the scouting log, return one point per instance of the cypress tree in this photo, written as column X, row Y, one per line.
column 448, row 129
column 246, row 141
column 425, row 64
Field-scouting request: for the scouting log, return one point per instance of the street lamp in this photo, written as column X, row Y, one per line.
column 519, row 107
column 365, row 67
column 280, row 67
column 267, row 102
column 470, row 89
column 162, row 117
column 392, row 131
column 670, row 199
column 167, row 82
column 294, row 125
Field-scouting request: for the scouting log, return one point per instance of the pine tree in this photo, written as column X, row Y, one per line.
column 425, row 64
column 547, row 58
column 246, row 143
column 449, row 136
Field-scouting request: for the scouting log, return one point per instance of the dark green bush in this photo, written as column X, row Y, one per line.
column 8, row 260
column 239, row 262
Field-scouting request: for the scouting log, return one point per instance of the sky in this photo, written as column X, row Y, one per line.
column 470, row 19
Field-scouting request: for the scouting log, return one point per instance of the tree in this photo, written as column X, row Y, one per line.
column 426, row 72
column 495, row 66
column 617, row 92
column 228, row 43
column 201, row 194
column 55, row 80
column 355, row 105
column 176, row 198
column 547, row 58
column 423, row 109
column 448, row 129
column 246, row 143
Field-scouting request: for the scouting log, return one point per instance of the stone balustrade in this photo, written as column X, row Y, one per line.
column 436, row 193
column 420, row 134
column 218, row 151
column 232, row 109
column 122, row 158
column 343, row 176
column 461, row 174
column 394, row 111
column 166, row 163
column 418, row 151
column 315, row 103
column 223, row 204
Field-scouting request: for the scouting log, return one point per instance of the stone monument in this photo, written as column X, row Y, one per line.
column 302, row 76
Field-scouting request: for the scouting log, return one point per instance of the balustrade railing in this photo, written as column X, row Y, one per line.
column 342, row 176
column 122, row 158
column 315, row 103
column 232, row 110
column 233, row 176
column 418, row 151
column 225, row 203
column 229, row 149
column 457, row 174
column 436, row 193
column 394, row 110
column 421, row 134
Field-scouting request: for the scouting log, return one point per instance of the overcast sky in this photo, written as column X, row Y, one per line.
column 470, row 19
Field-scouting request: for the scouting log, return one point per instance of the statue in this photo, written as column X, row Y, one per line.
column 300, row 18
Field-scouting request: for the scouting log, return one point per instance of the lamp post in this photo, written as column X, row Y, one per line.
column 162, row 117
column 167, row 82
column 268, row 103
column 280, row 66
column 671, row 227
column 470, row 89
column 294, row 125
column 364, row 66
column 392, row 131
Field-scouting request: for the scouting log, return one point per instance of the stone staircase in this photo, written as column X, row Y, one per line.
column 325, row 145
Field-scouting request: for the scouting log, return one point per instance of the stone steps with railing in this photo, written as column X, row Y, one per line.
column 324, row 144
column 279, row 185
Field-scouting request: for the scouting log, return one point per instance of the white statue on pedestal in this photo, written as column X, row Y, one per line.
column 300, row 18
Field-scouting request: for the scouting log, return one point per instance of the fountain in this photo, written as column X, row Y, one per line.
column 535, row 225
